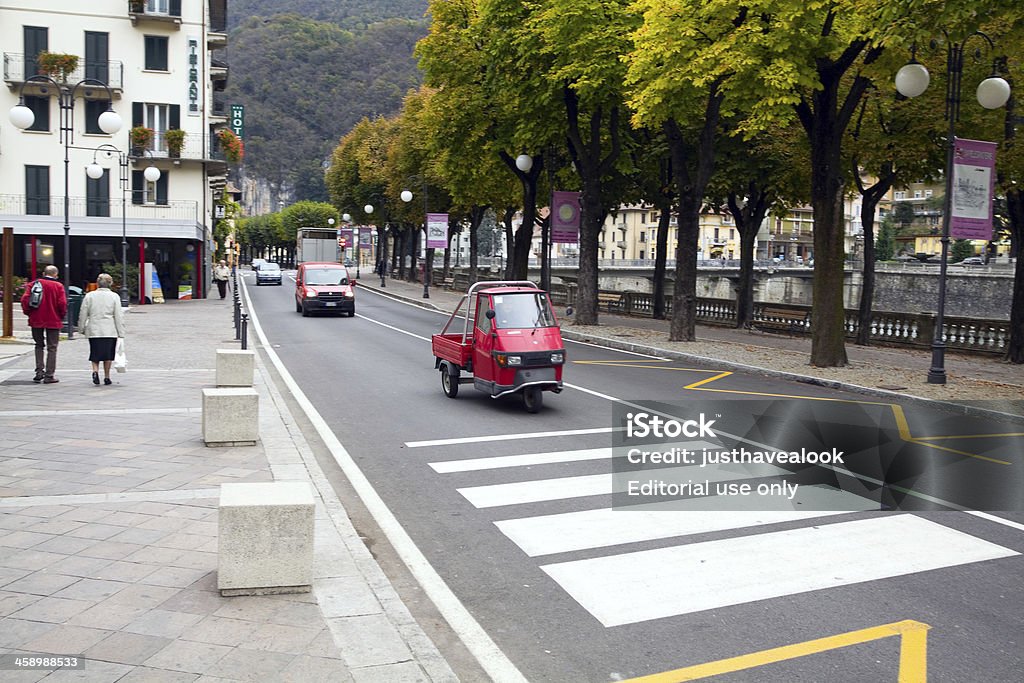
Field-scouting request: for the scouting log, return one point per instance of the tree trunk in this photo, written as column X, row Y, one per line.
column 870, row 197
column 520, row 254
column 664, row 203
column 400, row 248
column 748, row 221
column 692, row 165
column 508, row 272
column 825, row 120
column 827, row 311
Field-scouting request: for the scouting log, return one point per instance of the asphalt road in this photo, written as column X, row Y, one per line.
column 572, row 590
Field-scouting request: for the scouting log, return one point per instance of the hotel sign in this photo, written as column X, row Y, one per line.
column 237, row 122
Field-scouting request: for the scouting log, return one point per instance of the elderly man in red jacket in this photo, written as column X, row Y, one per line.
column 46, row 320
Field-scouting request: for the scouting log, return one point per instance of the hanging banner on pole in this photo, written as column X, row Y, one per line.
column 437, row 230
column 565, row 217
column 974, row 170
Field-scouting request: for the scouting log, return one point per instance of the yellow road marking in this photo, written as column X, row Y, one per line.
column 913, row 654
column 969, row 436
column 897, row 410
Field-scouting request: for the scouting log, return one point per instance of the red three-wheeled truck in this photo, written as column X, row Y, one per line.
column 509, row 343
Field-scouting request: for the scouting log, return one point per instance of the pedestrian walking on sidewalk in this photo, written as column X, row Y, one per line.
column 221, row 273
column 46, row 317
column 102, row 322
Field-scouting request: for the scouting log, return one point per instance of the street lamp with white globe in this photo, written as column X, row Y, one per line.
column 993, row 92
column 109, row 122
column 406, row 196
column 95, row 172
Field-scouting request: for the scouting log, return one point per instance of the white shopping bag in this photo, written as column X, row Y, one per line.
column 120, row 360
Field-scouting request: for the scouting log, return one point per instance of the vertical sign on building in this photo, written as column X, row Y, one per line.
column 238, row 120
column 974, row 170
column 193, row 76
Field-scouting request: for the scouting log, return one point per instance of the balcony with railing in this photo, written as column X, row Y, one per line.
column 18, row 69
column 161, row 11
column 100, row 217
column 194, row 148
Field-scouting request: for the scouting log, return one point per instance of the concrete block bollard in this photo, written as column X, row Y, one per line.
column 265, row 538
column 230, row 417
column 235, row 368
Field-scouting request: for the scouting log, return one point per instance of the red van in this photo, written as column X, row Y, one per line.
column 324, row 286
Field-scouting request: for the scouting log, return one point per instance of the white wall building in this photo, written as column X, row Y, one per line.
column 156, row 57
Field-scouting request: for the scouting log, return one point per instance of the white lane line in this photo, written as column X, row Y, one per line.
column 392, row 327
column 998, row 520
column 561, row 488
column 527, row 459
column 505, row 437
column 497, row 665
column 604, row 527
column 652, row 584
column 605, row 348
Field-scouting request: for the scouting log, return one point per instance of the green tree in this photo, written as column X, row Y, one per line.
column 885, row 244
column 961, row 249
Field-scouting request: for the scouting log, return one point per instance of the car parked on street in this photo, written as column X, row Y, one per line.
column 324, row 286
column 268, row 274
column 973, row 261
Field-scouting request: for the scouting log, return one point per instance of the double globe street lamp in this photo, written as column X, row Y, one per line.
column 993, row 92
column 108, row 121
column 382, row 266
column 95, row 172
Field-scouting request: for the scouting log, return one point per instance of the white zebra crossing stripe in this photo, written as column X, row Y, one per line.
column 652, row 584
column 570, row 531
column 527, row 459
column 538, row 490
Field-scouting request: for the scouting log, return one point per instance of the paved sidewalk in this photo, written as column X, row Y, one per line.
column 108, row 527
column 975, row 381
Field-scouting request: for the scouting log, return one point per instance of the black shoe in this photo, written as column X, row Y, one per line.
column 38, row 378
column 95, row 378
column 106, row 381
column 50, row 380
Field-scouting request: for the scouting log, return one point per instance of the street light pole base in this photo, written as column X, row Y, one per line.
column 125, row 301
column 937, row 372
column 426, row 291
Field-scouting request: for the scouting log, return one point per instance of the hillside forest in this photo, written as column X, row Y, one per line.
column 306, row 72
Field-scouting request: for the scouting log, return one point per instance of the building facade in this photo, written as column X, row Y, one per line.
column 157, row 59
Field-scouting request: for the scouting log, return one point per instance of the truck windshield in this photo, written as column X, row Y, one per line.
column 522, row 311
column 326, row 276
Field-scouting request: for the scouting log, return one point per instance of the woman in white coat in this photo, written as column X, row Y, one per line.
column 102, row 322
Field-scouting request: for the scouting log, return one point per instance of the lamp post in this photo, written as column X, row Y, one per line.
column 95, row 171
column 109, row 122
column 429, row 253
column 912, row 80
column 381, row 256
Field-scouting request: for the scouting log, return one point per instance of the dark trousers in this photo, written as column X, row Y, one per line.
column 46, row 342
column 222, row 287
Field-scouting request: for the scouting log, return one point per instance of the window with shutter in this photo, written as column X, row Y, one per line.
column 97, row 195
column 156, row 53
column 97, row 63
column 37, row 190
column 36, row 40
column 40, row 107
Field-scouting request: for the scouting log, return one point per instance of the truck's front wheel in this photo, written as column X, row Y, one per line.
column 533, row 398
